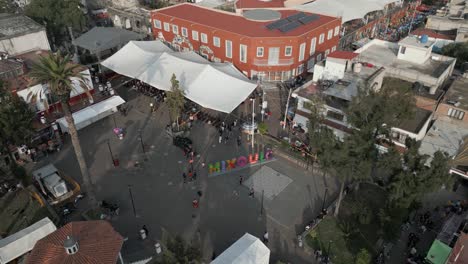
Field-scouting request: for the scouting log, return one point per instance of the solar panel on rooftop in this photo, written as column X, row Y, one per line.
column 296, row 17
column 308, row 19
column 290, row 26
column 277, row 24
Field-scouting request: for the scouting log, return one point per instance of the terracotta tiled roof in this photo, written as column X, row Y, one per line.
column 236, row 23
column 98, row 243
column 432, row 34
column 240, row 4
column 346, row 55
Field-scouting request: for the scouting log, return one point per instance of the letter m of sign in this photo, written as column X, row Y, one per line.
column 213, row 168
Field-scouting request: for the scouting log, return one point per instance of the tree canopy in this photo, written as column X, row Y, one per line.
column 15, row 119
column 457, row 50
column 57, row 16
column 175, row 98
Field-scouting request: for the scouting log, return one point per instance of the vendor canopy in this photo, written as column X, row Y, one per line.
column 247, row 250
column 218, row 86
column 346, row 9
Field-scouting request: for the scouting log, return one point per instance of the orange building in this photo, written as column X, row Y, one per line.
column 271, row 45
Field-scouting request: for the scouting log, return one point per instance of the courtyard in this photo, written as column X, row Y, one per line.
column 286, row 196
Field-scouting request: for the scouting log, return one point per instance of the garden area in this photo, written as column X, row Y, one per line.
column 357, row 228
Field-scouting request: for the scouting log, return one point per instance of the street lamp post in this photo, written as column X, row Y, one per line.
column 131, row 198
column 287, row 106
column 324, row 199
column 110, row 151
column 328, row 252
column 253, row 121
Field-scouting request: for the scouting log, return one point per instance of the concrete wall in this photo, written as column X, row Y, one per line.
column 417, row 136
column 25, row 43
column 415, row 55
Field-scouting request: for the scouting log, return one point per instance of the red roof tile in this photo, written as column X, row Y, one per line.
column 236, row 23
column 432, row 34
column 98, row 243
column 346, row 55
column 240, row 4
column 459, row 254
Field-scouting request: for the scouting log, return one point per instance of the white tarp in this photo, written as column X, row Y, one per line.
column 247, row 250
column 22, row 242
column 218, row 86
column 346, row 9
column 93, row 113
column 39, row 91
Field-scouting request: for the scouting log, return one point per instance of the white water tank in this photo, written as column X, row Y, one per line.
column 357, row 67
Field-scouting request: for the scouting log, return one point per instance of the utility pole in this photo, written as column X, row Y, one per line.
column 324, row 199
column 253, row 123
column 287, row 106
column 110, row 151
column 261, row 208
column 141, row 141
column 131, row 198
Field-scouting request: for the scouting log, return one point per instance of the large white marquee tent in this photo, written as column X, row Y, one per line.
column 247, row 250
column 218, row 86
column 346, row 9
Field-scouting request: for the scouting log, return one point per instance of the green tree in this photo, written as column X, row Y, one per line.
column 363, row 257
column 8, row 6
column 57, row 16
column 15, row 120
column 175, row 100
column 57, row 72
column 457, row 50
column 178, row 252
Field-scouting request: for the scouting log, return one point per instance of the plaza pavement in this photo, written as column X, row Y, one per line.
column 164, row 202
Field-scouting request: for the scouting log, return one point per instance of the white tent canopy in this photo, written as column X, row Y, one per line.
column 20, row 243
column 93, row 113
column 247, row 250
column 218, row 86
column 347, row 9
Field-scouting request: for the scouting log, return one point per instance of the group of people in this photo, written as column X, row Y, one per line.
column 226, row 131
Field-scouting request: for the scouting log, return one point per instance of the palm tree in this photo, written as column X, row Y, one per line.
column 57, row 71
column 175, row 100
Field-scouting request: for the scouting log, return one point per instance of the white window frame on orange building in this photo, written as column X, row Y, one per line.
column 195, row 35
column 302, row 48
column 184, row 32
column 157, row 24
column 337, row 30
column 286, row 53
column 333, row 48
column 243, row 53
column 313, row 45
column 319, row 57
column 322, row 38
column 167, row 27
column 330, row 34
column 262, row 53
column 175, row 29
column 327, row 52
column 228, row 52
column 204, row 38
column 216, row 42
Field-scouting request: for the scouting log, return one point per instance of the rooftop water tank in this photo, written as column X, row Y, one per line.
column 424, row 38
column 357, row 67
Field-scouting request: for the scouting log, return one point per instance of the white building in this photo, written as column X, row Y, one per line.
column 411, row 59
column 20, row 34
column 336, row 81
column 247, row 250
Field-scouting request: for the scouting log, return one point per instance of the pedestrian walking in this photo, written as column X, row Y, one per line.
column 195, row 203
column 185, row 177
column 190, row 175
column 203, row 164
column 235, row 122
column 194, row 175
column 251, row 192
column 226, row 138
column 239, row 141
column 145, row 229
column 220, row 139
column 241, row 179
column 265, row 237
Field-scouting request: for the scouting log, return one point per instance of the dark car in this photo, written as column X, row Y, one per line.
column 184, row 143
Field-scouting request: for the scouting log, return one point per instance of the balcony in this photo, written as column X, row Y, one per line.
column 280, row 62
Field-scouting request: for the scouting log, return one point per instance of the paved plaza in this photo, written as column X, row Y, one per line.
column 153, row 173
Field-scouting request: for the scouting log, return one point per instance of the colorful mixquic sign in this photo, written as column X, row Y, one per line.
column 240, row 162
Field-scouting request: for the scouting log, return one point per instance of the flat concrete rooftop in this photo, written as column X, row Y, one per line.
column 458, row 92
column 12, row 25
column 414, row 41
column 386, row 56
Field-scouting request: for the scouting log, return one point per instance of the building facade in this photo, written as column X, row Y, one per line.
column 270, row 45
